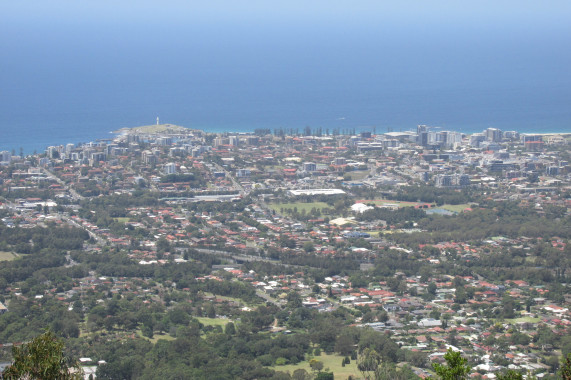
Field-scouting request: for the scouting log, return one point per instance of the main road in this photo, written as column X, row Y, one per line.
column 74, row 194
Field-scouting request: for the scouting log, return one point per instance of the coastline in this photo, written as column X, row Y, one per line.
column 29, row 146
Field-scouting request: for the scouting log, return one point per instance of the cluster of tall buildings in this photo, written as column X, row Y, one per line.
column 236, row 140
column 452, row 180
column 5, row 156
column 431, row 138
column 490, row 138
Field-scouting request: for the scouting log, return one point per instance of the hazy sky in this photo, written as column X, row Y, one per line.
column 229, row 22
column 481, row 14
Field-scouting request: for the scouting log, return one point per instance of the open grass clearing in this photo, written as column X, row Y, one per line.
column 156, row 337
column 357, row 175
column 233, row 299
column 530, row 260
column 299, row 205
column 523, row 319
column 7, row 256
column 225, row 298
column 456, row 208
column 213, row 321
column 331, row 363
column 388, row 202
column 122, row 220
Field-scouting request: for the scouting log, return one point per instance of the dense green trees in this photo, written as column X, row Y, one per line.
column 33, row 240
column 456, row 367
column 431, row 194
column 510, row 221
column 399, row 215
column 373, row 366
column 42, row 358
column 382, row 344
column 220, row 356
column 565, row 371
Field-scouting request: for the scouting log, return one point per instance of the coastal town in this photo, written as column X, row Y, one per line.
column 335, row 242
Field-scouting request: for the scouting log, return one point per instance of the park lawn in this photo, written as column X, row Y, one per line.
column 300, row 206
column 240, row 301
column 523, row 319
column 226, row 298
column 122, row 220
column 331, row 363
column 380, row 202
column 456, row 208
column 357, row 175
column 213, row 321
column 530, row 260
column 156, row 337
column 7, row 256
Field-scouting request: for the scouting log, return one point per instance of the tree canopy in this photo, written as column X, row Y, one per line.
column 42, row 358
column 456, row 367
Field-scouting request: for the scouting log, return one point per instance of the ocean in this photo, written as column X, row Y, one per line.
column 77, row 78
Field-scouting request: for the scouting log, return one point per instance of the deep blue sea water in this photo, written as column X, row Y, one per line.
column 76, row 77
